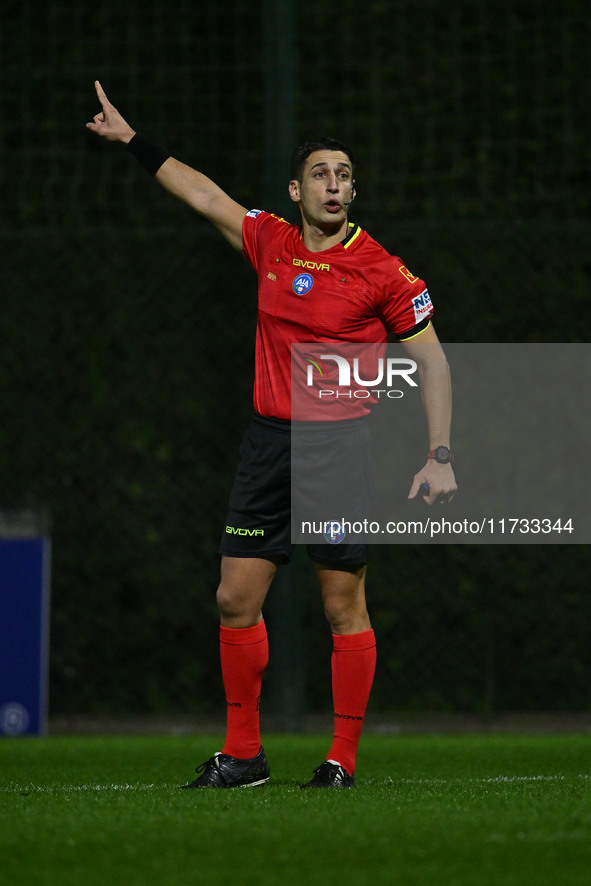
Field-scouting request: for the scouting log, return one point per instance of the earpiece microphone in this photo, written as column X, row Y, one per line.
column 353, row 195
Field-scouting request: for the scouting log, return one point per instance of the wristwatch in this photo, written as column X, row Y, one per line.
column 441, row 454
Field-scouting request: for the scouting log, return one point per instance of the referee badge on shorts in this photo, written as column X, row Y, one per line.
column 334, row 532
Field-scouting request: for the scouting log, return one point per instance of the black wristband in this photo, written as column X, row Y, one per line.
column 147, row 153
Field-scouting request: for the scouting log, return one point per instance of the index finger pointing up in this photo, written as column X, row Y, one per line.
column 100, row 93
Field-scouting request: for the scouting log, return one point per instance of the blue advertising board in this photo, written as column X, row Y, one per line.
column 24, row 635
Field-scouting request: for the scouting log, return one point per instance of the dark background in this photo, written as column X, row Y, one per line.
column 127, row 324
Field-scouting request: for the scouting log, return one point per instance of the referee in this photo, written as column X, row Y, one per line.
column 352, row 291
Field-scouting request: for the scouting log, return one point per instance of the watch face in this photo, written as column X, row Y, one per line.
column 442, row 455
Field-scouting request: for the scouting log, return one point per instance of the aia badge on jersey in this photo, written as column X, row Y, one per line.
column 422, row 306
column 302, row 284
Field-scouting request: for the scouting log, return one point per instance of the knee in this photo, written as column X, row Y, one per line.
column 234, row 605
column 344, row 604
column 242, row 590
column 227, row 600
column 346, row 615
column 336, row 616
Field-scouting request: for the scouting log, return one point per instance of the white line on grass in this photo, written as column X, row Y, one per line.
column 497, row 779
column 53, row 789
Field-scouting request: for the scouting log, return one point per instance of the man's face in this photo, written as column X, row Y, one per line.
column 326, row 188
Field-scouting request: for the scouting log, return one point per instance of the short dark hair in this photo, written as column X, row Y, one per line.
column 301, row 154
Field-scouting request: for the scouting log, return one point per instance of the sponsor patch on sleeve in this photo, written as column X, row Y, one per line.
column 253, row 213
column 422, row 306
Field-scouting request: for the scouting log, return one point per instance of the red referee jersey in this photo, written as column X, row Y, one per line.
column 353, row 292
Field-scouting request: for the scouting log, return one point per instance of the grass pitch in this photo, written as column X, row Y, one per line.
column 427, row 811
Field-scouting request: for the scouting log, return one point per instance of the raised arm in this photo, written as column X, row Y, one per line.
column 189, row 185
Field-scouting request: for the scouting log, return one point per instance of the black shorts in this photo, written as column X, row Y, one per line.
column 258, row 523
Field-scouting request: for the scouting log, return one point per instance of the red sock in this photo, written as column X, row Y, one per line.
column 244, row 654
column 353, row 667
